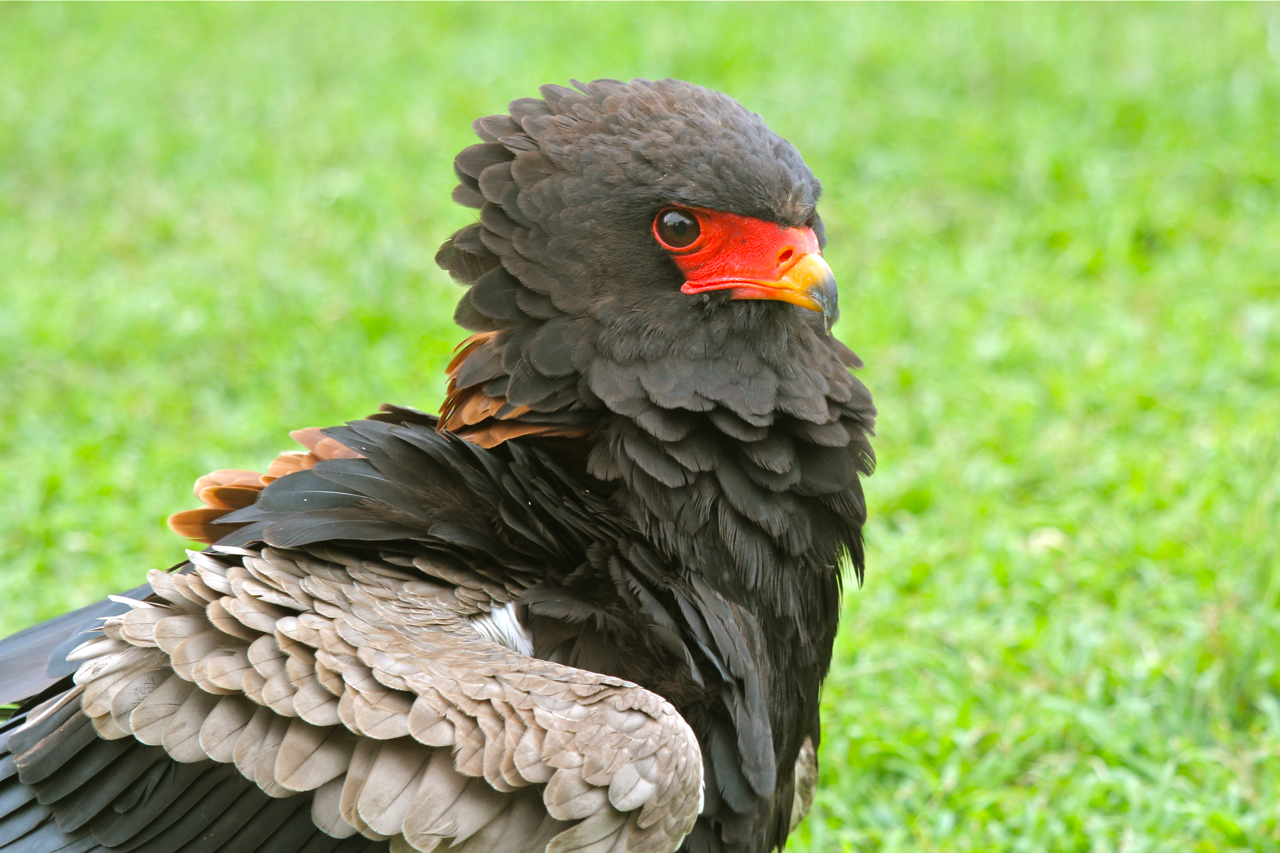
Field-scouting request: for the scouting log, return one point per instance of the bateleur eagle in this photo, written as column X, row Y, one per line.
column 588, row 608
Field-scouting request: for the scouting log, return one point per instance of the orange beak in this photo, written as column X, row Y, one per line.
column 756, row 259
column 808, row 282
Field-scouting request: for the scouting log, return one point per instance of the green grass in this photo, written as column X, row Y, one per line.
column 1057, row 232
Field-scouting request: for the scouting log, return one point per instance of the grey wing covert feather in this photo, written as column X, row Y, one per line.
column 370, row 684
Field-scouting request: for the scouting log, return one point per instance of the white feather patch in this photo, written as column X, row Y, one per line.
column 502, row 625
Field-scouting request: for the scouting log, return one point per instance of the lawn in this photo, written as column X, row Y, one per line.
column 1057, row 233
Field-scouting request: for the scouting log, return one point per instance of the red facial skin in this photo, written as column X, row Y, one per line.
column 754, row 259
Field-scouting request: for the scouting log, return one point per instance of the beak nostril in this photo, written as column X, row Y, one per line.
column 786, row 256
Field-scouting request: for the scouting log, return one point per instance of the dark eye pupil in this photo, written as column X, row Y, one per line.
column 676, row 229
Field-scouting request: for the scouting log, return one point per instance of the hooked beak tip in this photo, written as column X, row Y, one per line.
column 826, row 295
column 811, row 284
column 808, row 283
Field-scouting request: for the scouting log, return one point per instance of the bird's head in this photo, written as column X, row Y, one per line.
column 635, row 197
column 639, row 244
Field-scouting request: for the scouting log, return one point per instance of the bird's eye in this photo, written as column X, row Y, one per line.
column 676, row 229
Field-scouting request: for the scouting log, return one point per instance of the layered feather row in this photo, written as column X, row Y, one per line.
column 363, row 682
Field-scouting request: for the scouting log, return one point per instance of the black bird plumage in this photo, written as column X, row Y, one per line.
column 665, row 484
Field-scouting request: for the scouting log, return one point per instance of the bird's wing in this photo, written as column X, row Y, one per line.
column 374, row 686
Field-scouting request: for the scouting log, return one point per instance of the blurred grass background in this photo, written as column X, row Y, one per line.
column 1057, row 232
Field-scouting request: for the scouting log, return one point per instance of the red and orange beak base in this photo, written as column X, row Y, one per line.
column 756, row 259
